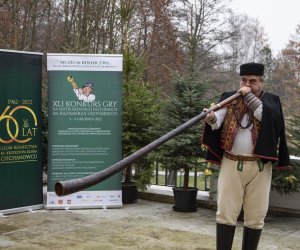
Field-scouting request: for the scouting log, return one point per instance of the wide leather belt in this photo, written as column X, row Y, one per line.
column 235, row 157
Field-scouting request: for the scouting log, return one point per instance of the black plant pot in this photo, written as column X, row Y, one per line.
column 185, row 199
column 129, row 193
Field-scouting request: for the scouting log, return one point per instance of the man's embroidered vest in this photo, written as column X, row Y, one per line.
column 230, row 126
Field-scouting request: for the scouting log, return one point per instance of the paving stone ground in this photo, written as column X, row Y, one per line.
column 144, row 225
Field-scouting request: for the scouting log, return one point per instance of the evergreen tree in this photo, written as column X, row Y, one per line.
column 140, row 113
column 140, row 106
column 293, row 132
column 187, row 101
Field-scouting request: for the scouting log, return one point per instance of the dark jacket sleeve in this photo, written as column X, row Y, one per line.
column 211, row 138
column 271, row 143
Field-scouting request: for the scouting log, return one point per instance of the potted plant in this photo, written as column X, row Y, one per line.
column 184, row 151
column 287, row 181
column 285, row 189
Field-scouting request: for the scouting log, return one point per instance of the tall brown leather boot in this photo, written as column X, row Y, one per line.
column 251, row 238
column 225, row 235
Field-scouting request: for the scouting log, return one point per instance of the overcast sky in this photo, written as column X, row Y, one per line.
column 278, row 17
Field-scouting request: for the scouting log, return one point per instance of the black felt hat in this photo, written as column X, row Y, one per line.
column 88, row 84
column 252, row 69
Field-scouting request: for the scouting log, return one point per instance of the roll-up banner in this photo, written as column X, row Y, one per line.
column 85, row 126
column 21, row 187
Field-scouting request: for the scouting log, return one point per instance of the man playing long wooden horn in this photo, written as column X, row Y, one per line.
column 243, row 139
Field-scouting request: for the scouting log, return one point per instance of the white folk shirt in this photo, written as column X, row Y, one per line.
column 82, row 97
column 243, row 143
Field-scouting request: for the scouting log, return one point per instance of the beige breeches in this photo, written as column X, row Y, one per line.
column 248, row 188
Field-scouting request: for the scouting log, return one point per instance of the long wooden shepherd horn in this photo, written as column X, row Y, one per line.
column 71, row 186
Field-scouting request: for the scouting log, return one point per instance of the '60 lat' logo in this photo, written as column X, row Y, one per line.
column 15, row 132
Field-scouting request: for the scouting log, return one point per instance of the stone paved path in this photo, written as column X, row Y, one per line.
column 146, row 225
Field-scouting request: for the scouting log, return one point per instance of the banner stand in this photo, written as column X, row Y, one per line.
column 84, row 126
column 21, row 209
column 21, row 170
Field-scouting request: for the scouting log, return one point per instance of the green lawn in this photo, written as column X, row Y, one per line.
column 200, row 181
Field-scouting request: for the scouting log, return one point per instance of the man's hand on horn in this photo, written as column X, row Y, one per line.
column 210, row 118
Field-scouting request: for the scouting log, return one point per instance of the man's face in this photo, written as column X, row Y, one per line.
column 253, row 82
column 87, row 91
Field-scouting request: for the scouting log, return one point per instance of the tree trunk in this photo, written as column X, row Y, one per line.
column 186, row 178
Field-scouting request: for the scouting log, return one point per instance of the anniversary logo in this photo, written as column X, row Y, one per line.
column 18, row 124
